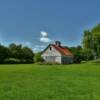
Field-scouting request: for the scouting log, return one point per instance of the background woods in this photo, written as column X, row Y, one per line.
column 16, row 54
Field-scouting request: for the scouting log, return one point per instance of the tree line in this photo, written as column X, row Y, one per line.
column 90, row 48
column 16, row 54
column 91, row 43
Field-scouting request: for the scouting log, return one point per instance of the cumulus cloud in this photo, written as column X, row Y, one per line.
column 44, row 37
column 44, row 34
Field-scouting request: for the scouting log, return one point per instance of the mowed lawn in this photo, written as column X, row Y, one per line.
column 50, row 82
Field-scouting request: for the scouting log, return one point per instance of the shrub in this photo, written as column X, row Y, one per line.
column 96, row 61
column 12, row 61
column 77, row 59
column 38, row 58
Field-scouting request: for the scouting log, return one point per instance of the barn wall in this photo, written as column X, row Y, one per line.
column 52, row 55
column 67, row 59
column 58, row 59
column 51, row 51
column 52, row 59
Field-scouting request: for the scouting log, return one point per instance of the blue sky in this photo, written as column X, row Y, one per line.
column 24, row 21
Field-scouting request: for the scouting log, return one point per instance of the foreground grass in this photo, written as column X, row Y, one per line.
column 50, row 82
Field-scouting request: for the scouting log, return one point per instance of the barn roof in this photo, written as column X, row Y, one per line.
column 63, row 50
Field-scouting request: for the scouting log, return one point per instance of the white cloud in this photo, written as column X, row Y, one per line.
column 44, row 34
column 45, row 39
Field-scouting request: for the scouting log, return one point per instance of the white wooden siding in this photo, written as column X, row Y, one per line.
column 52, row 55
column 52, row 52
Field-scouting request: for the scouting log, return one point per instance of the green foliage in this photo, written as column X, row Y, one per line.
column 98, row 51
column 96, row 32
column 4, row 53
column 87, row 54
column 91, row 41
column 87, row 39
column 46, row 82
column 12, row 61
column 16, row 54
column 38, row 58
column 16, row 51
column 77, row 51
column 96, row 61
column 27, row 55
column 96, row 38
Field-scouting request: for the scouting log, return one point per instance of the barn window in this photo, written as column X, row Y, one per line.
column 50, row 48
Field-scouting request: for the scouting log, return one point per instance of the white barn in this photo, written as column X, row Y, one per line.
column 55, row 53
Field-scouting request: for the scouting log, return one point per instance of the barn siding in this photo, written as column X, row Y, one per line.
column 52, row 52
column 52, row 59
column 52, row 55
column 67, row 59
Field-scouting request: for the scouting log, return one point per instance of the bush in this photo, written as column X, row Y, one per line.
column 16, row 54
column 38, row 58
column 77, row 59
column 96, row 61
column 12, row 61
column 4, row 53
column 17, row 61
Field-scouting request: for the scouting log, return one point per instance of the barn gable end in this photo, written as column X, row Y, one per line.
column 51, row 55
column 55, row 53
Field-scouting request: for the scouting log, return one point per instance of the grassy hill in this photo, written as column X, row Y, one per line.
column 50, row 82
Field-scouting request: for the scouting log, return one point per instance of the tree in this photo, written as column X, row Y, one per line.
column 27, row 55
column 96, row 39
column 87, row 45
column 16, row 50
column 16, row 54
column 4, row 53
column 87, row 40
column 91, row 42
column 24, row 54
column 77, row 51
column 37, row 57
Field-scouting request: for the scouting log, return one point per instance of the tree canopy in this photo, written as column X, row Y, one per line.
column 16, row 54
column 91, row 41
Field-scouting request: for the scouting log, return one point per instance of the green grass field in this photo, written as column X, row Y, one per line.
column 50, row 82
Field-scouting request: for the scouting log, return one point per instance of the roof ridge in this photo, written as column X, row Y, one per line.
column 63, row 50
